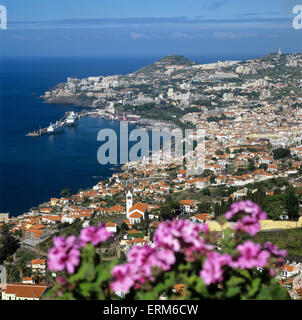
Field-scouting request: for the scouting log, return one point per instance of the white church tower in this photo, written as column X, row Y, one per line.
column 129, row 202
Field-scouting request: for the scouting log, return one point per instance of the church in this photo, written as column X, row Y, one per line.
column 137, row 212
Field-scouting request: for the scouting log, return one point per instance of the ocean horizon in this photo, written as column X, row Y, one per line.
column 34, row 169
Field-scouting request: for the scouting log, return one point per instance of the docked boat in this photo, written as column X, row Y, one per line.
column 72, row 119
column 55, row 128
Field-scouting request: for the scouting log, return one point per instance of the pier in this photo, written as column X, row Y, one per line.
column 59, row 124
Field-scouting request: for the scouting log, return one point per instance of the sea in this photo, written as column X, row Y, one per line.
column 35, row 169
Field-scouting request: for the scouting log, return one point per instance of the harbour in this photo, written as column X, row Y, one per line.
column 70, row 119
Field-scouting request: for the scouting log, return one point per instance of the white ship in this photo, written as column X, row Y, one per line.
column 55, row 128
column 72, row 119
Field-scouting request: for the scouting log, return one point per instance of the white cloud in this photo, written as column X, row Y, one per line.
column 136, row 36
column 180, row 35
column 233, row 35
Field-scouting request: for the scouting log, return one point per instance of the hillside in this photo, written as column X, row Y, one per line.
column 170, row 60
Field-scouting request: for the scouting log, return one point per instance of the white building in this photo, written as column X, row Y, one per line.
column 20, row 291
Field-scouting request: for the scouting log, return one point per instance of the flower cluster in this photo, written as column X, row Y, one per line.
column 171, row 237
column 212, row 271
column 251, row 256
column 182, row 236
column 140, row 266
column 94, row 235
column 250, row 222
column 65, row 255
column 273, row 250
column 177, row 242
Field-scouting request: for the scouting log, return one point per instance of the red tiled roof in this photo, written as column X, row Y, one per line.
column 38, row 261
column 25, row 290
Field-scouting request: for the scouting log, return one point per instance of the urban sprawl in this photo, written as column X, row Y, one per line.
column 251, row 112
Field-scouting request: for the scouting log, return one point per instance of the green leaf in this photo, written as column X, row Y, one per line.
column 232, row 292
column 273, row 292
column 245, row 274
column 255, row 287
column 235, row 281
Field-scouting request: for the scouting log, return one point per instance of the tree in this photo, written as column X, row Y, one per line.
column 124, row 228
column 144, row 225
column 8, row 243
column 251, row 165
column 204, row 207
column 206, row 192
column 263, row 166
column 274, row 206
column 281, row 153
column 169, row 210
column 66, row 193
column 291, row 203
column 212, row 179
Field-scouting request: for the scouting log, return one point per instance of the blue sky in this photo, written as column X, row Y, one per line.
column 144, row 27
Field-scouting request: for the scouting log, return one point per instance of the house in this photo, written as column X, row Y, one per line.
column 85, row 224
column 34, row 235
column 239, row 194
column 202, row 217
column 4, row 217
column 68, row 219
column 27, row 280
column 288, row 271
column 22, row 291
column 200, row 183
column 117, row 209
column 132, row 234
column 54, row 201
column 140, row 242
column 38, row 265
column 188, row 206
column 111, row 227
column 51, row 219
column 181, row 173
column 45, row 210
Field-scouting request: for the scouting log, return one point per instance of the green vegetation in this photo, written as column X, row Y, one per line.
column 291, row 240
column 168, row 60
column 281, row 153
column 8, row 243
column 66, row 193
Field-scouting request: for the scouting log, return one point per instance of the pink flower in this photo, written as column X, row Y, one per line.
column 124, row 279
column 212, row 271
column 138, row 255
column 56, row 259
column 248, row 207
column 64, row 255
column 62, row 281
column 251, row 256
column 181, row 236
column 248, row 224
column 272, row 272
column 94, row 235
column 141, row 262
column 273, row 249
